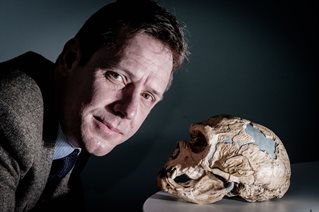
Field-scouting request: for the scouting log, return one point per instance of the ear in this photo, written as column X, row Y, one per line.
column 69, row 58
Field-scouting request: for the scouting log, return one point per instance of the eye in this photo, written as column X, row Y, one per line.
column 148, row 96
column 115, row 77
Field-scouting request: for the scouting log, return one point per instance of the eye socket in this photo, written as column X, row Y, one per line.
column 115, row 77
column 198, row 142
column 148, row 96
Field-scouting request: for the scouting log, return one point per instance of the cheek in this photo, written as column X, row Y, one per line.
column 139, row 121
column 103, row 92
column 96, row 99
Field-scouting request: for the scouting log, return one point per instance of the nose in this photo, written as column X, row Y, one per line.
column 127, row 106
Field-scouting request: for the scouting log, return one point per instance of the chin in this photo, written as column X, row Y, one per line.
column 92, row 142
column 100, row 153
column 97, row 145
column 98, row 148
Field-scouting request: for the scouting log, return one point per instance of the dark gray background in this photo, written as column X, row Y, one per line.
column 255, row 60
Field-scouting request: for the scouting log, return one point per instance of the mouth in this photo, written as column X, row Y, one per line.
column 108, row 126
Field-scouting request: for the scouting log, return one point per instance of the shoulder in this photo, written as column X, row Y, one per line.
column 22, row 81
column 19, row 92
column 28, row 67
column 30, row 63
column 25, row 60
column 21, row 106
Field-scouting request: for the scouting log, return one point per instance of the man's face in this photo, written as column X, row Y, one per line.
column 105, row 105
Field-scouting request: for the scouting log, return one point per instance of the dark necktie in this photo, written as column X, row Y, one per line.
column 59, row 169
column 62, row 166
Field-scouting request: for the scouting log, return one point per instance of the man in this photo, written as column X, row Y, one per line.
column 96, row 96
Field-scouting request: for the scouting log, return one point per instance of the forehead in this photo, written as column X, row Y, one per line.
column 146, row 58
column 147, row 53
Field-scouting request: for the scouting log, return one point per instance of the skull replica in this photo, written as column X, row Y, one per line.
column 227, row 156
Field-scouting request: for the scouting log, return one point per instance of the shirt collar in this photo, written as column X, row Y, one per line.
column 62, row 146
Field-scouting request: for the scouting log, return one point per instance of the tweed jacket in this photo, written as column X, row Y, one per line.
column 28, row 129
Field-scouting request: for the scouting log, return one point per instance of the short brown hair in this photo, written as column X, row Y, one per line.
column 114, row 24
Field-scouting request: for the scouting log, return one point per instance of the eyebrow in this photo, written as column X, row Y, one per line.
column 160, row 96
column 130, row 73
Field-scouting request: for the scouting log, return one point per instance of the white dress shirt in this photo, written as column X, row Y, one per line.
column 62, row 146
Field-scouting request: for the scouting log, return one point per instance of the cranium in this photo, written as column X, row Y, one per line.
column 227, row 156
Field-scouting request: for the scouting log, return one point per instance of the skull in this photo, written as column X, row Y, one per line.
column 227, row 156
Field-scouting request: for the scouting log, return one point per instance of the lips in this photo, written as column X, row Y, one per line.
column 108, row 125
